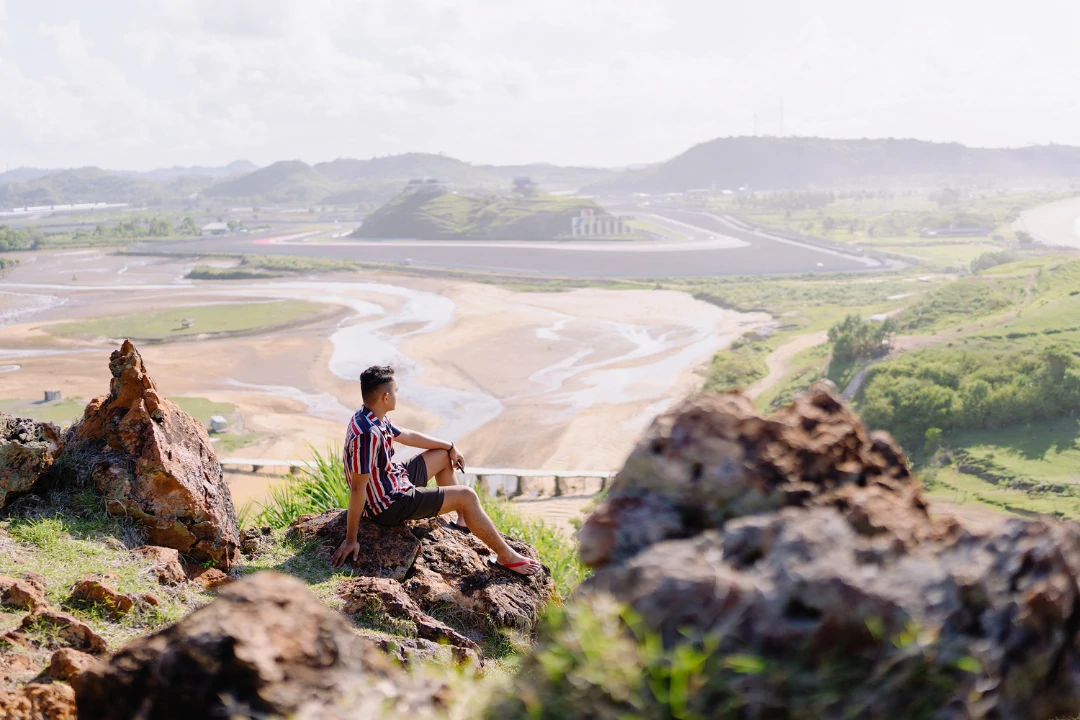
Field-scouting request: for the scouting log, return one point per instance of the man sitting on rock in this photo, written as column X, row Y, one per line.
column 391, row 493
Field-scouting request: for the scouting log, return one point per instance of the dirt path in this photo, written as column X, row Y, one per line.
column 779, row 360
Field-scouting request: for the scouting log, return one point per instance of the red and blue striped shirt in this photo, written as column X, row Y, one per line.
column 369, row 448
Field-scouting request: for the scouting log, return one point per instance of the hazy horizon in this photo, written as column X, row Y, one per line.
column 138, row 85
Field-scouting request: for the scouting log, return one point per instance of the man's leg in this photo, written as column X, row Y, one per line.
column 438, row 466
column 466, row 504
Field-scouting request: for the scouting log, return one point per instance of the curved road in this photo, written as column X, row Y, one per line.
column 713, row 246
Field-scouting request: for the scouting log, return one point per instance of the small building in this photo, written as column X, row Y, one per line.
column 218, row 423
column 186, row 323
column 53, row 396
column 215, row 228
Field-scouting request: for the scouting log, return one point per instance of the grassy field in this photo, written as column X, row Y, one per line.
column 67, row 411
column 892, row 221
column 169, row 324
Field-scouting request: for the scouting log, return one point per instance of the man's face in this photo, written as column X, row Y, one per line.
column 389, row 398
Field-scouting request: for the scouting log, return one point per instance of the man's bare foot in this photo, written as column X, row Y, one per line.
column 461, row 521
column 518, row 563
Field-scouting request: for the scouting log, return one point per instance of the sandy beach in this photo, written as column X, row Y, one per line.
column 523, row 379
column 1055, row 224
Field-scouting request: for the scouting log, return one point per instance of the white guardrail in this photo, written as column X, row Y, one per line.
column 471, row 475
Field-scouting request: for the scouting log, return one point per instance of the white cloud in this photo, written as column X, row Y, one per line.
column 603, row 82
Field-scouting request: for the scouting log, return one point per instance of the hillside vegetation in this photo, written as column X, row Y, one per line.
column 432, row 216
column 772, row 163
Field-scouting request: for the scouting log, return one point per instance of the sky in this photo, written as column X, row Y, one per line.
column 139, row 84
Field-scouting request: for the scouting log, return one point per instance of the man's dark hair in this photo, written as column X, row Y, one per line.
column 374, row 378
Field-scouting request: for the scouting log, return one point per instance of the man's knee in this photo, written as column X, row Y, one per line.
column 460, row 496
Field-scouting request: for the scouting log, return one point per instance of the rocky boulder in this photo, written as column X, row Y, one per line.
column 385, row 552
column 163, row 563
column 154, row 463
column 797, row 555
column 67, row 663
column 436, row 568
column 27, row 451
column 53, row 701
column 265, row 647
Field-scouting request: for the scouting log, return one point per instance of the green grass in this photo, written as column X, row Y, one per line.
column 61, row 413
column 69, row 538
column 168, row 324
column 738, row 367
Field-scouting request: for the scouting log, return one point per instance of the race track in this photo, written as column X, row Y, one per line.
column 711, row 246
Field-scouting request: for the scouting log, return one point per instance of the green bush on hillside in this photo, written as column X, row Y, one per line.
column 955, row 389
column 853, row 338
column 737, row 367
column 990, row 259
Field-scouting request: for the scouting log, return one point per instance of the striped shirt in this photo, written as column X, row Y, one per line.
column 369, row 448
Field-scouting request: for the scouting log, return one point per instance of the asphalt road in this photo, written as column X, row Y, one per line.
column 713, row 246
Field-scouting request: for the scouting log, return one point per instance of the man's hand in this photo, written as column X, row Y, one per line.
column 349, row 547
column 457, row 460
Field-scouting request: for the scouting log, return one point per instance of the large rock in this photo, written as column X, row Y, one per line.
column 53, row 701
column 265, row 647
column 805, row 563
column 453, row 570
column 440, row 569
column 385, row 551
column 155, row 463
column 382, row 595
column 27, row 451
column 162, row 562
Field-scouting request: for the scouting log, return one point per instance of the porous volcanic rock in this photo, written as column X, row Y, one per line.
column 155, row 463
column 27, row 450
column 266, row 646
column 441, row 568
column 385, row 551
column 409, row 652
column 807, row 564
column 162, row 562
column 383, row 595
column 453, row 570
column 36, row 701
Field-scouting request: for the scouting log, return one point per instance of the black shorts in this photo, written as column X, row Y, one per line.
column 418, row 502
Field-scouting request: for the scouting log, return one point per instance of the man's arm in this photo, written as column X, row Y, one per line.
column 416, row 439
column 357, row 490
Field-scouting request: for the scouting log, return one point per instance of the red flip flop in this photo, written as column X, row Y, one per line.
column 510, row 568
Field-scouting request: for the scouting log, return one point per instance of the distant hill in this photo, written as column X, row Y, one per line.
column 290, row 181
column 23, row 174
column 445, row 215
column 764, row 163
column 238, row 167
column 94, row 185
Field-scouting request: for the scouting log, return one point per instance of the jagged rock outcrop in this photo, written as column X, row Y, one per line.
column 155, row 463
column 804, row 562
column 265, row 647
column 27, row 451
column 428, row 567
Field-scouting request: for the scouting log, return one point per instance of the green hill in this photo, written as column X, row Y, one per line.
column 94, row 185
column 765, row 163
column 290, row 181
column 439, row 216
